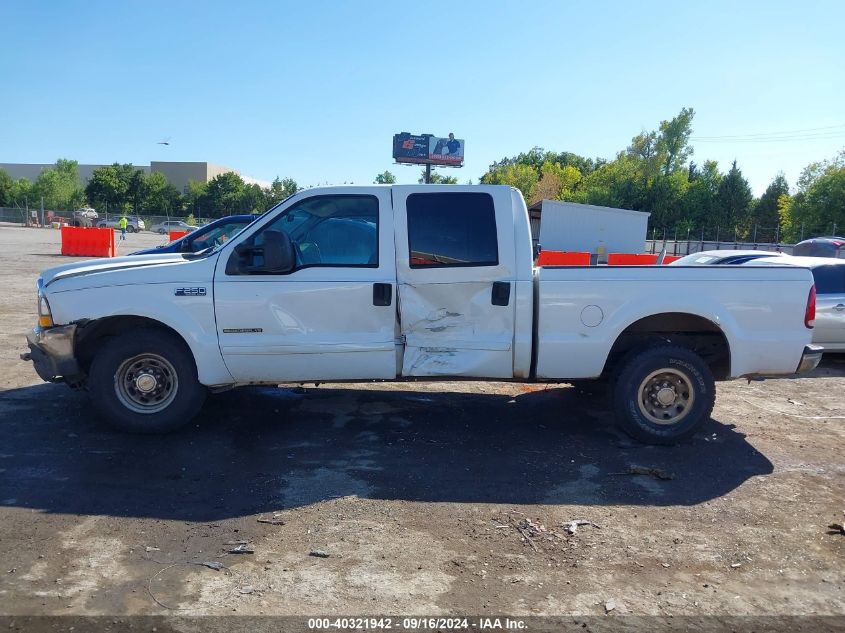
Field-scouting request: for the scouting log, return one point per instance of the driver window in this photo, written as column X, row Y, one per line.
column 337, row 230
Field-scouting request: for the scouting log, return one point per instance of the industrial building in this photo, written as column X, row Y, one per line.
column 178, row 173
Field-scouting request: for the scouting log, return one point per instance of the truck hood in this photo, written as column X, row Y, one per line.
column 95, row 266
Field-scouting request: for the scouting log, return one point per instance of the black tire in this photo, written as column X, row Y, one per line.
column 168, row 358
column 130, row 229
column 663, row 394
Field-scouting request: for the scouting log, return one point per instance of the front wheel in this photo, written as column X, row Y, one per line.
column 145, row 382
column 131, row 229
column 663, row 394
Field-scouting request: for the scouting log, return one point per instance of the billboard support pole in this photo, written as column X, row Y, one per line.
column 428, row 173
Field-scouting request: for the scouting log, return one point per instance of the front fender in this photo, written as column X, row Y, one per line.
column 191, row 316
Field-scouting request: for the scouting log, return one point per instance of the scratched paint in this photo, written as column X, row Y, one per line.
column 452, row 330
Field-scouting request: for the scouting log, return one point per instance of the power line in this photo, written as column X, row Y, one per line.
column 813, row 131
column 786, row 136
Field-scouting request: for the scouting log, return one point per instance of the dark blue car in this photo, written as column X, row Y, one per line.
column 211, row 234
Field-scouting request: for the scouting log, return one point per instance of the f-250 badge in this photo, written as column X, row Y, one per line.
column 189, row 292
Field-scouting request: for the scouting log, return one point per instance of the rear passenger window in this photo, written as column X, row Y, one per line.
column 829, row 280
column 451, row 229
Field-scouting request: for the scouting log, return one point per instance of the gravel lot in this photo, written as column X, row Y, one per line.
column 427, row 498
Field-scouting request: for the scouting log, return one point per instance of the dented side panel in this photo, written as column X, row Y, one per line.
column 450, row 324
column 450, row 331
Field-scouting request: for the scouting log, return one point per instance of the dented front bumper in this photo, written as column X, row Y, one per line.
column 51, row 352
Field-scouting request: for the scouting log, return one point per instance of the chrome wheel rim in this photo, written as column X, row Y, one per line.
column 146, row 383
column 666, row 396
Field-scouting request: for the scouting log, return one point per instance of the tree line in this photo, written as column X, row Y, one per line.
column 123, row 188
column 656, row 173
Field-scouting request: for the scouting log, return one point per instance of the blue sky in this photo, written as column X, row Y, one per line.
column 315, row 90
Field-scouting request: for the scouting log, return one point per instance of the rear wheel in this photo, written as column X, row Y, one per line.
column 131, row 229
column 145, row 382
column 663, row 394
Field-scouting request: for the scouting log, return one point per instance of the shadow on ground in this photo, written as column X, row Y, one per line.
column 264, row 449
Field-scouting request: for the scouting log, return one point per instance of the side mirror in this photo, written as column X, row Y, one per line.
column 279, row 253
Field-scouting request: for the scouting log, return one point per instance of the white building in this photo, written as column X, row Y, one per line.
column 568, row 226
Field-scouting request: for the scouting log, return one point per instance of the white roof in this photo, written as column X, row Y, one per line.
column 577, row 206
column 789, row 260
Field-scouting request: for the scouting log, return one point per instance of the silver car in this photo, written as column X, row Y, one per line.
column 134, row 224
column 829, row 275
column 171, row 225
column 710, row 258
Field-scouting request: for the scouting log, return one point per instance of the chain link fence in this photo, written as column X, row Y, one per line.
column 687, row 239
column 34, row 217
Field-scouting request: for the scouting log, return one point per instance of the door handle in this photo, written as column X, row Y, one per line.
column 382, row 294
column 839, row 307
column 501, row 295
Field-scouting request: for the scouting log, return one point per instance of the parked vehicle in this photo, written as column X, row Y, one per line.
column 408, row 282
column 829, row 277
column 134, row 224
column 820, row 247
column 708, row 258
column 171, row 225
column 86, row 217
column 212, row 234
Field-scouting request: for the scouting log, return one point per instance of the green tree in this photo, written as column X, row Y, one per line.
column 734, row 199
column 117, row 188
column 765, row 211
column 59, row 186
column 7, row 187
column 439, row 179
column 819, row 204
column 617, row 184
column 557, row 182
column 700, row 206
column 385, row 178
column 23, row 193
column 160, row 197
column 254, row 199
column 224, row 194
column 673, row 142
column 281, row 189
column 136, row 190
column 523, row 177
column 195, row 197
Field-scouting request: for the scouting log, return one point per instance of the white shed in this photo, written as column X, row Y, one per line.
column 568, row 226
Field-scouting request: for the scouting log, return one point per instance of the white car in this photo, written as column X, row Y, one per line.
column 171, row 225
column 829, row 276
column 406, row 282
column 711, row 258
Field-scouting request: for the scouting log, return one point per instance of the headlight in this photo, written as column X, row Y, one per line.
column 45, row 316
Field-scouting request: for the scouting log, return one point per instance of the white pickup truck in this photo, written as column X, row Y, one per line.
column 411, row 282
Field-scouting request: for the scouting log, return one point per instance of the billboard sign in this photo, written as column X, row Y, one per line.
column 428, row 149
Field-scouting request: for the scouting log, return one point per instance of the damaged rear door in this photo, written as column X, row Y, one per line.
column 455, row 271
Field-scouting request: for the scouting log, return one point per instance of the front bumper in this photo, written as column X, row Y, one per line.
column 810, row 358
column 51, row 352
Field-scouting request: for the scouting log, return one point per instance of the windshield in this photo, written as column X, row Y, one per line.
column 696, row 259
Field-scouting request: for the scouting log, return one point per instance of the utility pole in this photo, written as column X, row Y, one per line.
column 428, row 173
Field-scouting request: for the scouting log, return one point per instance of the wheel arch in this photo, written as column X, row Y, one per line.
column 90, row 332
column 693, row 331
